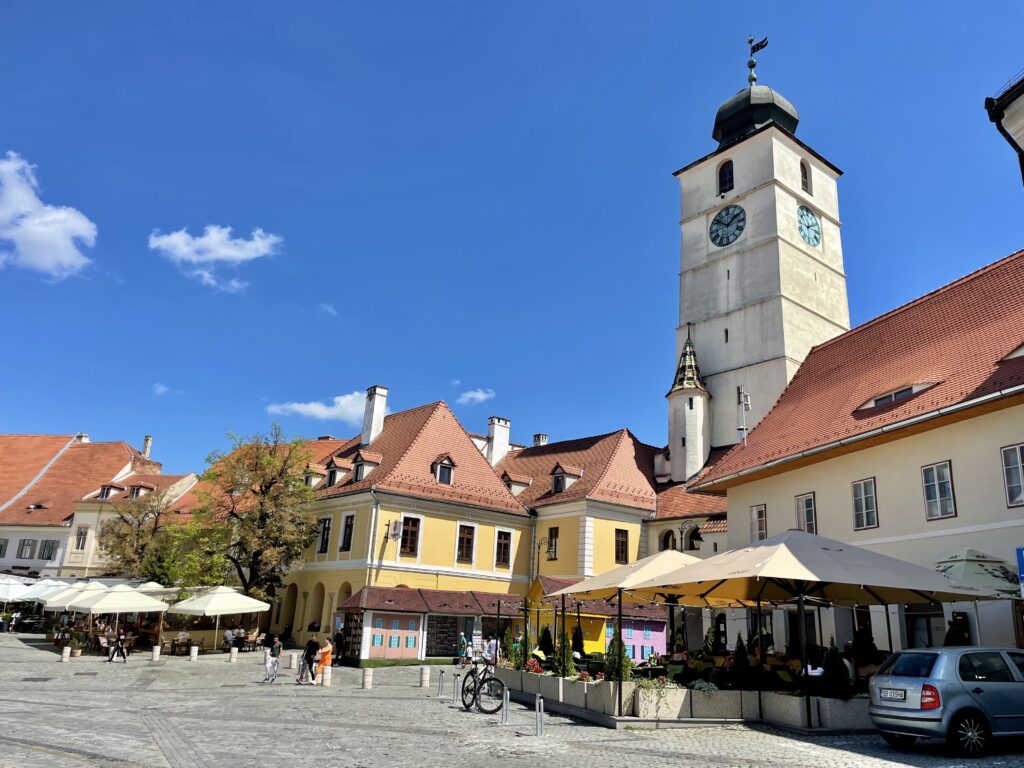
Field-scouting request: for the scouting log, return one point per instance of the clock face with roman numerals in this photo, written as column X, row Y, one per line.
column 727, row 225
column 810, row 227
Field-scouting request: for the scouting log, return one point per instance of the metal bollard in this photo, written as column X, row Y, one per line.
column 504, row 707
column 455, row 688
column 538, row 704
column 233, row 655
column 424, row 677
column 193, row 653
column 440, row 685
column 367, row 679
column 325, row 677
column 65, row 654
column 293, row 661
column 156, row 653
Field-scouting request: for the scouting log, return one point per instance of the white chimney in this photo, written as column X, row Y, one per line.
column 373, row 413
column 540, row 439
column 81, row 437
column 497, row 439
column 147, row 445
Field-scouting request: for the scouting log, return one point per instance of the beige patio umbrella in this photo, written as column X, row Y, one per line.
column 797, row 565
column 61, row 599
column 626, row 577
column 117, row 600
column 219, row 601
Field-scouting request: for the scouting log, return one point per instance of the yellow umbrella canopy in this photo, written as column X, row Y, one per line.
column 797, row 564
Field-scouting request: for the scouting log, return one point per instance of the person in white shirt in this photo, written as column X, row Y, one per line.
column 491, row 650
column 229, row 637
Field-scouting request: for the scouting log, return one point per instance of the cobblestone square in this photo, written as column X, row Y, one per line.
column 212, row 713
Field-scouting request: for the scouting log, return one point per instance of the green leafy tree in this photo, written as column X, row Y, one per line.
column 740, row 664
column 617, row 665
column 187, row 556
column 258, row 492
column 709, row 641
column 564, row 666
column 545, row 643
column 128, row 538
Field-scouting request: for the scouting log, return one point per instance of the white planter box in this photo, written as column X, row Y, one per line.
column 750, row 708
column 604, row 698
column 512, row 678
column 551, row 688
column 720, row 705
column 531, row 682
column 665, row 704
column 845, row 714
column 784, row 709
column 574, row 693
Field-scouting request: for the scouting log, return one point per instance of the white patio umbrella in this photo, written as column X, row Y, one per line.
column 117, row 600
column 149, row 586
column 45, row 587
column 61, row 599
column 219, row 601
column 12, row 591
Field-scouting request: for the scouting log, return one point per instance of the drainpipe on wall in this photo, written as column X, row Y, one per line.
column 534, row 563
column 996, row 113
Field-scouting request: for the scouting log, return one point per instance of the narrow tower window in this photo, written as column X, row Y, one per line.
column 725, row 181
column 726, row 335
column 805, row 177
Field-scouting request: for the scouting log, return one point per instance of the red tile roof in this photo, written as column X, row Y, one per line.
column 677, row 501
column 80, row 469
column 715, row 524
column 400, row 599
column 955, row 338
column 23, row 457
column 616, row 467
column 449, row 601
column 149, row 480
column 408, row 445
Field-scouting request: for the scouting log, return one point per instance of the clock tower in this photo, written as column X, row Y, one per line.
column 761, row 278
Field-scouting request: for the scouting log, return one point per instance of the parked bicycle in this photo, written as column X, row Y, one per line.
column 481, row 688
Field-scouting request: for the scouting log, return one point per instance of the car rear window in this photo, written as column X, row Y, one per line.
column 909, row 664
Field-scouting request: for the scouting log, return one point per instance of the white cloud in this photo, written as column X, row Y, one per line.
column 201, row 257
column 347, row 408
column 328, row 309
column 455, row 382
column 160, row 389
column 34, row 235
column 475, row 396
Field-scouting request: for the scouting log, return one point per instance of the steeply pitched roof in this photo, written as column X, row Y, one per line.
column 955, row 340
column 409, row 444
column 122, row 488
column 23, row 458
column 617, row 468
column 78, row 470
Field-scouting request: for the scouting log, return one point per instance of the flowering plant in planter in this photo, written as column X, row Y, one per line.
column 599, row 676
column 585, row 677
column 533, row 666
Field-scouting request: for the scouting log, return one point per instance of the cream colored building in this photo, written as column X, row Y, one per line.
column 906, row 436
column 1007, row 111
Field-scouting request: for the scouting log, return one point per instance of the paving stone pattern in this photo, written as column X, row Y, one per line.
column 211, row 713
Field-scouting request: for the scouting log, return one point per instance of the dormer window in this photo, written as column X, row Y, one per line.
column 105, row 492
column 310, row 479
column 558, row 483
column 725, row 177
column 332, row 477
column 444, row 469
column 135, row 492
column 563, row 476
column 895, row 396
column 358, row 471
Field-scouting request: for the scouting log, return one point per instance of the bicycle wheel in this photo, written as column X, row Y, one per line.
column 489, row 695
column 469, row 689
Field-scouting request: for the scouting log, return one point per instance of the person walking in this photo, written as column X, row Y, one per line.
column 309, row 661
column 273, row 660
column 109, row 637
column 118, row 647
column 326, row 652
column 463, row 649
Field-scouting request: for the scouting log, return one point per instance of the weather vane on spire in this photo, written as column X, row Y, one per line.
column 752, row 62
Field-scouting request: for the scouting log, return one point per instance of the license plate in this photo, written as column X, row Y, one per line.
column 892, row 694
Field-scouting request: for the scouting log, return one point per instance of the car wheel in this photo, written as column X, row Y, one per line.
column 969, row 734
column 898, row 740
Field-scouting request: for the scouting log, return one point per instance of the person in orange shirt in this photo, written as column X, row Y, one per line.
column 326, row 652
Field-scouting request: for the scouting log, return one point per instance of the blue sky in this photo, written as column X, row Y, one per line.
column 440, row 197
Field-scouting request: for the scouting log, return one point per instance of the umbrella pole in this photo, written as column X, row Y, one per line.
column 565, row 635
column 821, row 629
column 526, row 631
column 760, row 660
column 801, row 633
column 888, row 625
column 620, row 649
column 497, row 634
column 216, row 632
column 977, row 623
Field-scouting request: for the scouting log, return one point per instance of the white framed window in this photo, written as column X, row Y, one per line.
column 1013, row 474
column 410, row 541
column 358, row 471
column 47, row 549
column 81, row 537
column 553, row 542
column 135, row 492
column 465, row 544
column 325, row 535
column 348, row 525
column 503, row 548
column 806, row 514
column 558, row 483
column 105, row 492
column 444, row 473
column 27, row 549
column 332, row 477
column 3, row 547
column 758, row 523
column 938, row 490
column 865, row 504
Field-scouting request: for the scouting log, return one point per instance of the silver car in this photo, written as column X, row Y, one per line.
column 964, row 695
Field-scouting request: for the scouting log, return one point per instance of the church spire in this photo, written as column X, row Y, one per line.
column 688, row 371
